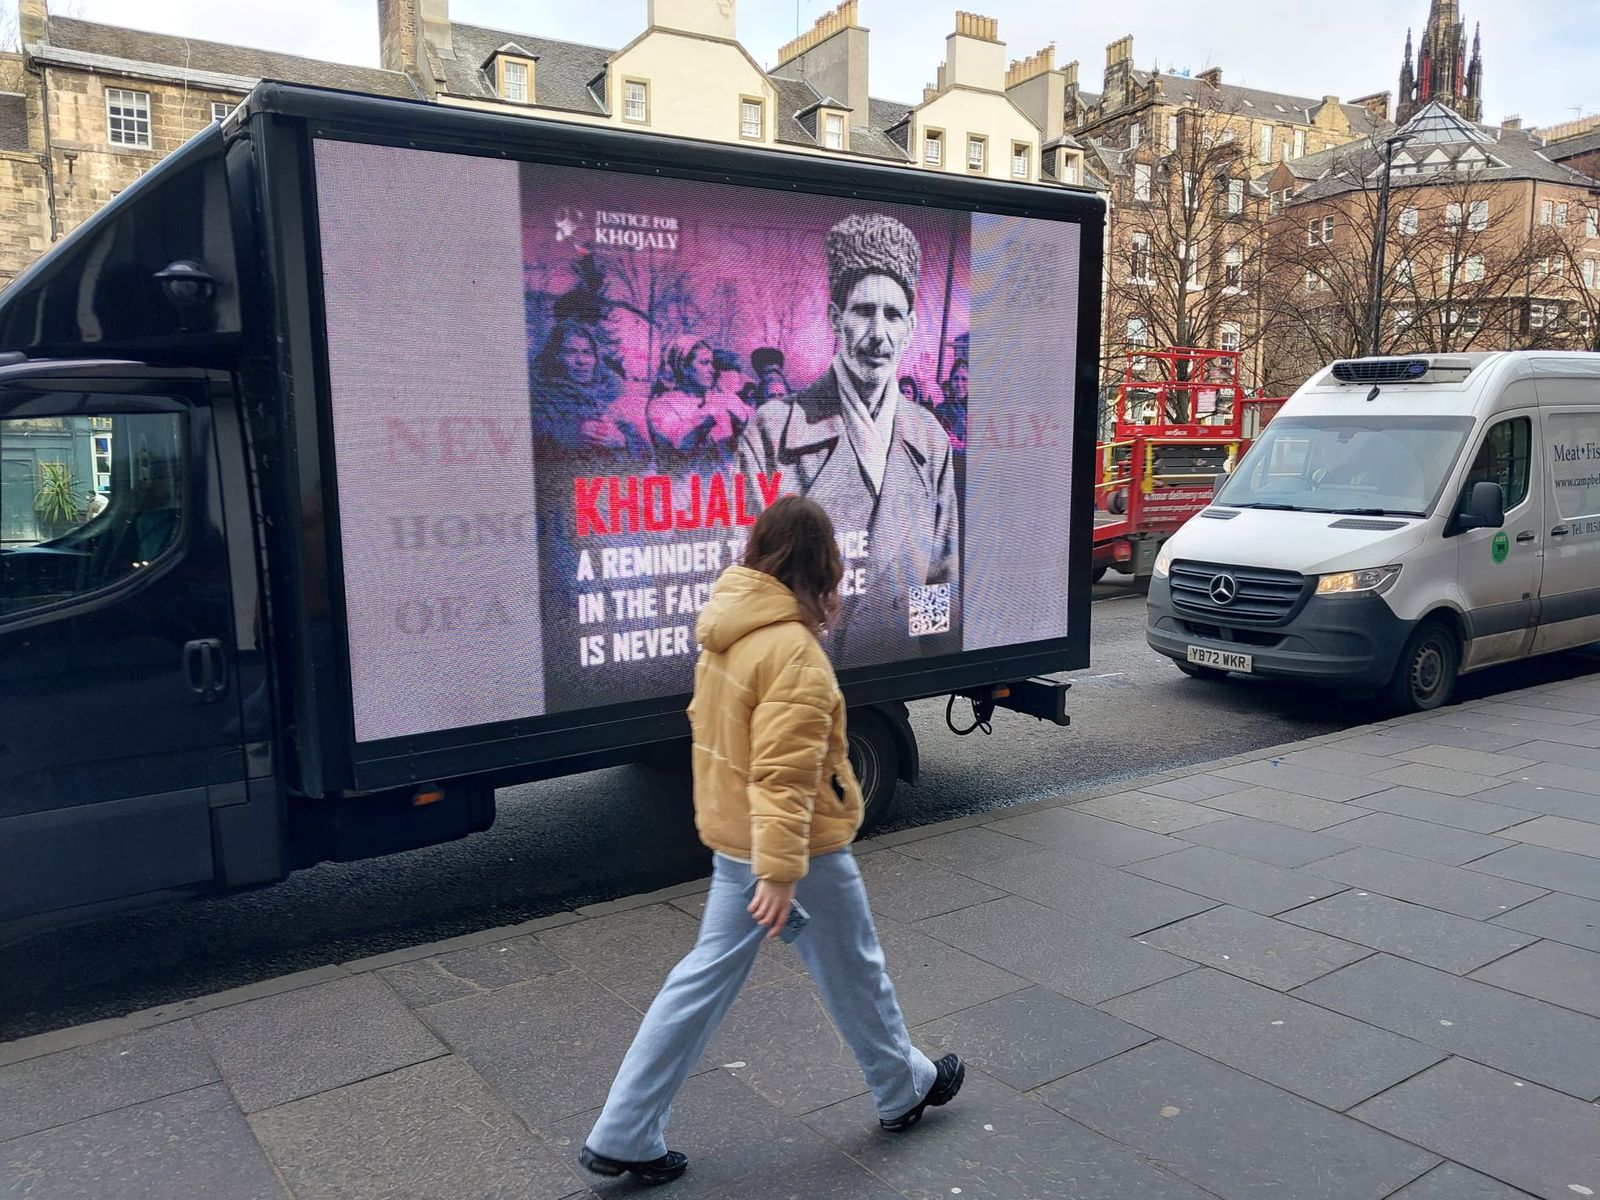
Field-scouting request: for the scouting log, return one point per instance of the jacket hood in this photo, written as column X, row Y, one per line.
column 743, row 602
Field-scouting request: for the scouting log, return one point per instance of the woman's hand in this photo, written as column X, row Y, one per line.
column 770, row 907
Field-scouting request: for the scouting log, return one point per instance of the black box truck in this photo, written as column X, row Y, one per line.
column 367, row 455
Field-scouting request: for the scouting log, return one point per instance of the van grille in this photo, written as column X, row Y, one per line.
column 1380, row 370
column 1259, row 595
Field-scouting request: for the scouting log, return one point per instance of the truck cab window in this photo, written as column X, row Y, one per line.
column 86, row 502
column 1504, row 458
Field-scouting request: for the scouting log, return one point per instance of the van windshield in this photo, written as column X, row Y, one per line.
column 1388, row 466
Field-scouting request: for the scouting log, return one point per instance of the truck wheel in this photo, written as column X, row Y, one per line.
column 1194, row 672
column 1100, row 573
column 875, row 758
column 1425, row 674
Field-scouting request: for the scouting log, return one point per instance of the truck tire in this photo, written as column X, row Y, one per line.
column 1425, row 673
column 1100, row 573
column 875, row 758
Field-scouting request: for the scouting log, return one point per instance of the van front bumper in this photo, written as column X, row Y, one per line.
column 1344, row 641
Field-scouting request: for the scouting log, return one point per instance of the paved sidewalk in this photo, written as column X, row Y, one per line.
column 1359, row 967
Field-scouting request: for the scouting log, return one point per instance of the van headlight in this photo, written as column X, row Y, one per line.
column 1163, row 561
column 1373, row 581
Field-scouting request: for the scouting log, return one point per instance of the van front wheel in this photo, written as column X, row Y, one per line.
column 1425, row 674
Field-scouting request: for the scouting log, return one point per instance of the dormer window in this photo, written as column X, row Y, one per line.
column 833, row 131
column 752, row 118
column 511, row 71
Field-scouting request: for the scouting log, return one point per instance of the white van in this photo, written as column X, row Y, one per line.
column 1401, row 520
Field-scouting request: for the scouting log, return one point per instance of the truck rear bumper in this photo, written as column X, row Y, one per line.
column 1349, row 642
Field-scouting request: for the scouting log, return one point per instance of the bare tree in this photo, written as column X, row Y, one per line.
column 1567, row 279
column 1187, row 263
column 1460, row 265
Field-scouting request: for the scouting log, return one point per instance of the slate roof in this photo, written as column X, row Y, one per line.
column 1584, row 143
column 1247, row 101
column 1511, row 155
column 189, row 55
column 13, row 122
column 561, row 78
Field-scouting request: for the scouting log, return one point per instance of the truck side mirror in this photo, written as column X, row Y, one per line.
column 1484, row 507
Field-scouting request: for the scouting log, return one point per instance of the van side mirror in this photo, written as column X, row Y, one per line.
column 1220, row 482
column 1484, row 507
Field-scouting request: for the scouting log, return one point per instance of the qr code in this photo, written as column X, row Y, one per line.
column 930, row 609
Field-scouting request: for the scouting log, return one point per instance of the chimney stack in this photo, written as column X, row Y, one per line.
column 1213, row 76
column 412, row 36
column 975, row 57
column 1038, row 89
column 832, row 57
column 1119, row 68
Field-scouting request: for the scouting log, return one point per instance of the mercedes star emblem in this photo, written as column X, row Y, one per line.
column 1223, row 589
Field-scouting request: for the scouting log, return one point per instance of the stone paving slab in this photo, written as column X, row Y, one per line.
column 435, row 1129
column 1558, row 833
column 1303, row 1048
column 194, row 1145
column 1536, row 798
column 1088, row 891
column 1147, row 810
column 998, row 1145
column 1450, row 1182
column 1085, row 836
column 1421, row 839
column 1458, row 812
column 1486, row 1120
column 1529, row 1038
column 1242, row 882
column 1078, row 960
column 1235, row 1136
column 1030, row 1037
column 1423, row 935
column 904, row 889
column 1256, row 948
column 1278, row 775
column 297, row 1044
column 1563, row 975
column 108, row 1075
column 1569, row 919
column 1286, row 808
column 1540, row 867
column 1268, row 842
column 1467, row 893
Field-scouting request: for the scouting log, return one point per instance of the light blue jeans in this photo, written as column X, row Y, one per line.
column 840, row 949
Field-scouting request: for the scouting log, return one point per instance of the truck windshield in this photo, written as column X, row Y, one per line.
column 1389, row 466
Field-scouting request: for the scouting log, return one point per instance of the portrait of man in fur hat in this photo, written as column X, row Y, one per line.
column 883, row 468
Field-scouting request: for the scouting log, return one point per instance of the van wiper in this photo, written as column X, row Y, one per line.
column 1374, row 512
column 1274, row 507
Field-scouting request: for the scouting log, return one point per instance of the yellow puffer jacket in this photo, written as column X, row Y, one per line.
column 772, row 777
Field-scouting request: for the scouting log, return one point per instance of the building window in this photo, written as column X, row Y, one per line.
column 1408, row 221
column 1135, row 135
column 1561, row 214
column 1404, row 272
column 1070, row 172
column 1474, row 268
column 1313, row 280
column 751, row 124
column 128, row 118
column 1230, row 336
column 1139, row 258
column 1558, row 267
column 1141, row 182
column 1542, row 313
column 1591, row 272
column 1404, row 319
column 1592, row 225
column 1319, row 231
column 1233, row 269
column 1547, row 212
column 1478, row 216
column 933, row 148
column 1172, row 132
column 1191, row 256
column 1138, row 332
column 1452, row 216
column 220, row 110
column 636, row 101
column 1191, row 189
column 1235, row 197
column 1327, row 230
column 514, row 81
column 833, row 131
column 977, row 153
column 1299, row 143
column 1264, row 144
column 1019, row 160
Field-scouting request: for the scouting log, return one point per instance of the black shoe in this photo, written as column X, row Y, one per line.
column 952, row 1073
column 658, row 1170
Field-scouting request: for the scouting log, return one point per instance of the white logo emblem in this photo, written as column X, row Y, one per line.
column 1223, row 589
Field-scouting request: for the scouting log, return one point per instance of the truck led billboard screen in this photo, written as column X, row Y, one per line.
column 561, row 396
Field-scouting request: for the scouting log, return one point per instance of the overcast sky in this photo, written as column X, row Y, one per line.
column 1540, row 61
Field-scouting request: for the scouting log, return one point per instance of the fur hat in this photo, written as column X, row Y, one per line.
column 873, row 243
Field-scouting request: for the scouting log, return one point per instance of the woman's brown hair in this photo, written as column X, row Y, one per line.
column 793, row 542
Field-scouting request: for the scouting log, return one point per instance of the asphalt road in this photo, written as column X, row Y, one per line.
column 581, row 840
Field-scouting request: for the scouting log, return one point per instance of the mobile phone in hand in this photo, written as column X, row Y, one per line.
column 799, row 918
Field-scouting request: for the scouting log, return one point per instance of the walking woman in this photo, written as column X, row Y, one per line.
column 776, row 800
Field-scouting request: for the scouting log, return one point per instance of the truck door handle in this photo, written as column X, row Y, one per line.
column 1527, row 535
column 1560, row 531
column 206, row 669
